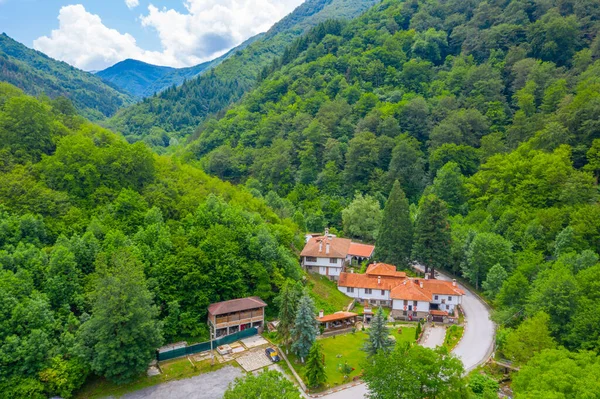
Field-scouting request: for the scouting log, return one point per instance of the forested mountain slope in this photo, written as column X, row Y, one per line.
column 37, row 74
column 490, row 106
column 176, row 112
column 140, row 79
column 103, row 242
column 133, row 76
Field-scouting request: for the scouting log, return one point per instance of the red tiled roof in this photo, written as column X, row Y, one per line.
column 356, row 280
column 440, row 287
column 383, row 269
column 338, row 247
column 411, row 291
column 362, row 250
column 336, row 316
column 236, row 305
column 438, row 312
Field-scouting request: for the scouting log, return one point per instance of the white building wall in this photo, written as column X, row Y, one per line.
column 324, row 266
column 422, row 306
column 375, row 294
column 344, row 290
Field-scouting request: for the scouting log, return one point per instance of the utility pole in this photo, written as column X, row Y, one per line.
column 212, row 354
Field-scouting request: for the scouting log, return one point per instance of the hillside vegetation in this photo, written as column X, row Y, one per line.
column 37, row 74
column 490, row 106
column 103, row 242
column 176, row 112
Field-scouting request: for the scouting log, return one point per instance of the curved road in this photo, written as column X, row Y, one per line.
column 474, row 348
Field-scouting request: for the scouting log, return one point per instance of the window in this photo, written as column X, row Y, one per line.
column 415, row 303
column 449, row 299
column 405, row 302
column 333, row 260
column 409, row 307
column 414, row 314
column 447, row 307
column 310, row 259
column 382, row 292
column 349, row 289
column 368, row 291
column 435, row 297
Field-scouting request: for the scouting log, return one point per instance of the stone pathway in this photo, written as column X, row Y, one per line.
column 434, row 336
column 254, row 360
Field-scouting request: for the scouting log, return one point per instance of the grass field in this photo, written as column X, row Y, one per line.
column 172, row 370
column 347, row 348
column 326, row 294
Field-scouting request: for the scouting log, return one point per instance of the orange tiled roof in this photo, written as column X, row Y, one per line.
column 440, row 287
column 438, row 312
column 411, row 291
column 383, row 269
column 336, row 316
column 362, row 250
column 338, row 247
column 357, row 280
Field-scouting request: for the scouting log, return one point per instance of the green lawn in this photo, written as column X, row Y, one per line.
column 453, row 335
column 347, row 348
column 171, row 370
column 326, row 294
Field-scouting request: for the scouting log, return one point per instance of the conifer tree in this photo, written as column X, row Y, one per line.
column 431, row 245
column 288, row 304
column 305, row 327
column 315, row 366
column 379, row 335
column 394, row 241
column 121, row 337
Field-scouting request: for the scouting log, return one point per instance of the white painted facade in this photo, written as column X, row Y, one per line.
column 324, row 266
column 366, row 293
column 421, row 306
column 446, row 302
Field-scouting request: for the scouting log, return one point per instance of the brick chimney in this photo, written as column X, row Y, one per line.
column 321, row 313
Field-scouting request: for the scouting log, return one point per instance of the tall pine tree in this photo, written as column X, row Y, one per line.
column 394, row 241
column 305, row 327
column 315, row 366
column 288, row 304
column 121, row 337
column 379, row 335
column 431, row 245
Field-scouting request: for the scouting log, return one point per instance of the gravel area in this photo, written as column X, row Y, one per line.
column 203, row 386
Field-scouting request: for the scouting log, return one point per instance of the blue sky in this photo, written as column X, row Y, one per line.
column 94, row 34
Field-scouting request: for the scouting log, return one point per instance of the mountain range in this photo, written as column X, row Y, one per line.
column 140, row 79
column 176, row 112
column 37, row 74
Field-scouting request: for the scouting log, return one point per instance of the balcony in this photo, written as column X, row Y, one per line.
column 238, row 318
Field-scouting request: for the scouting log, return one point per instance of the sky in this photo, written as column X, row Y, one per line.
column 95, row 34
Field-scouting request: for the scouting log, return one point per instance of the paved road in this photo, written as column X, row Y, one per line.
column 474, row 348
column 478, row 340
column 434, row 336
column 203, row 386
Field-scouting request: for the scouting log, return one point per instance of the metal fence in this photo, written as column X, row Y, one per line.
column 205, row 346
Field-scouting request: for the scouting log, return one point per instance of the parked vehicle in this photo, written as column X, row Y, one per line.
column 272, row 355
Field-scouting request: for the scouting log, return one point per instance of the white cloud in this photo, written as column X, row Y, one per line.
column 206, row 30
column 132, row 3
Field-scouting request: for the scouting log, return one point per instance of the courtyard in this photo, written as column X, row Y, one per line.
column 345, row 349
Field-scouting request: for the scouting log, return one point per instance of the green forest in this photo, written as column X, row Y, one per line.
column 486, row 113
column 37, row 74
column 95, row 232
column 463, row 134
column 170, row 116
